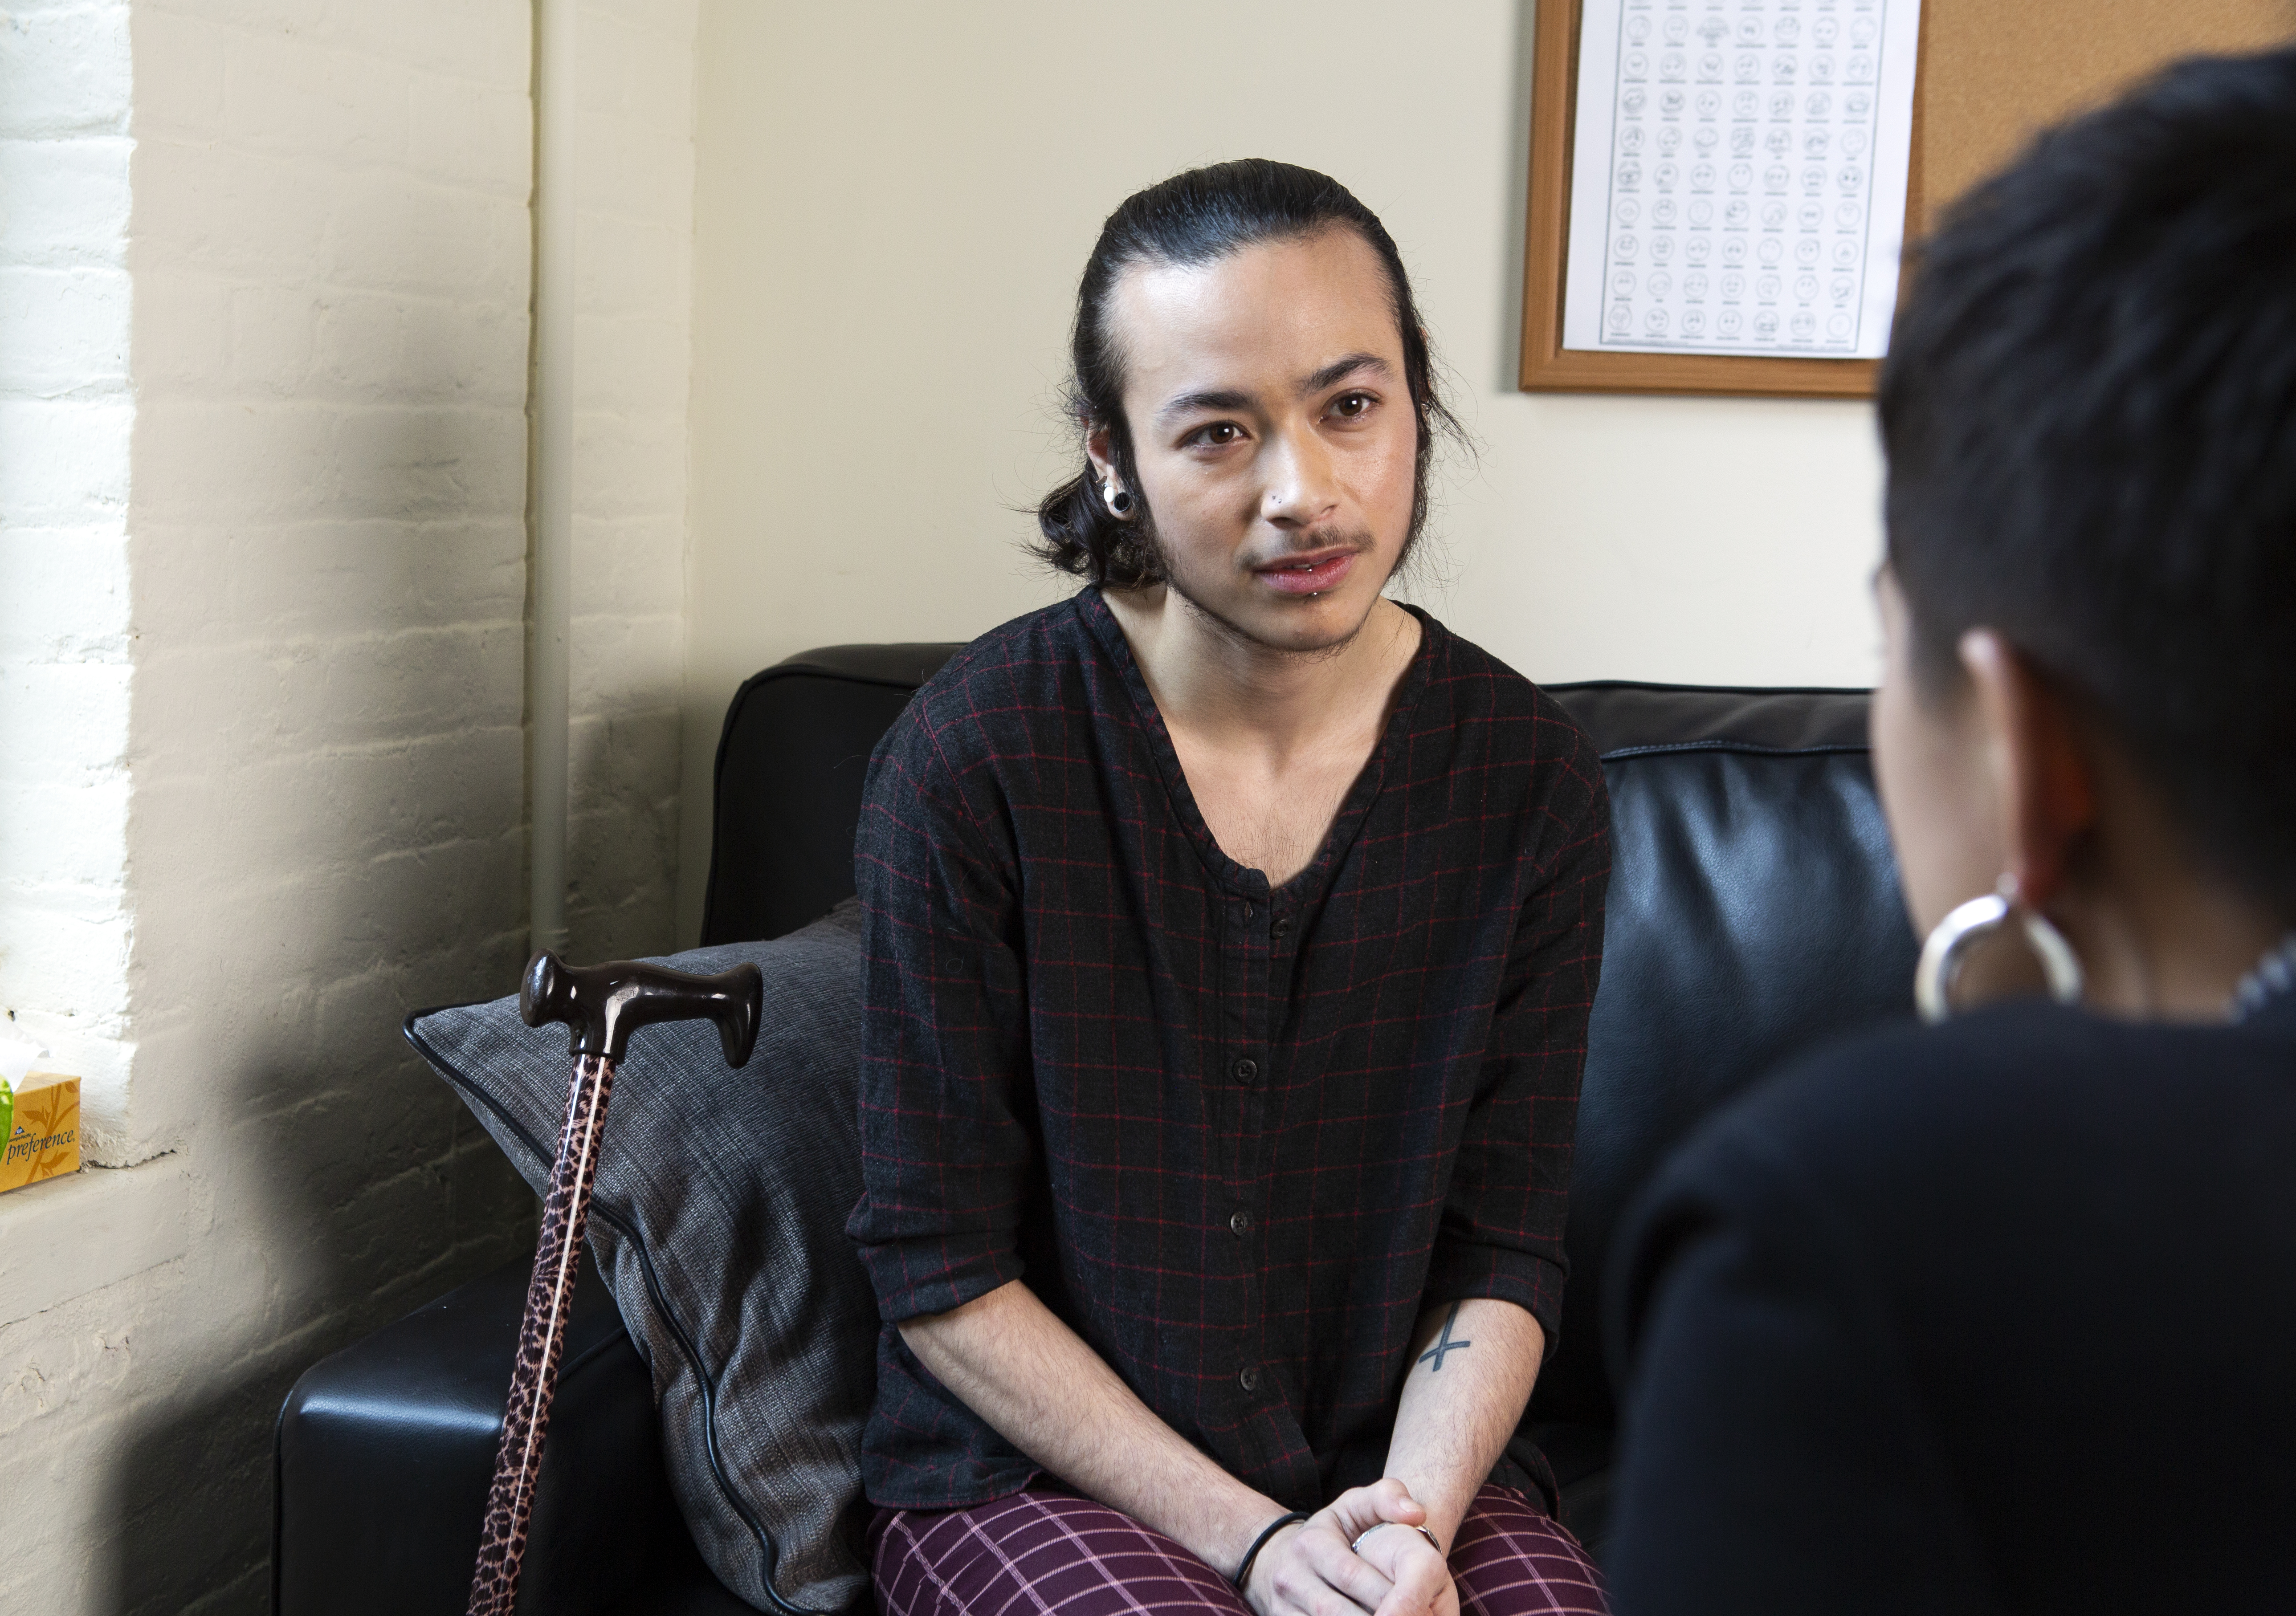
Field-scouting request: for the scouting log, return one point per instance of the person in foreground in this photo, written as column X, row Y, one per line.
column 1996, row 1314
column 1231, row 933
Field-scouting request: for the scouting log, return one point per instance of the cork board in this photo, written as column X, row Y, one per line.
column 1993, row 73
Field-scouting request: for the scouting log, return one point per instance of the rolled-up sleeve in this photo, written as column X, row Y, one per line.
column 945, row 1152
column 1501, row 1235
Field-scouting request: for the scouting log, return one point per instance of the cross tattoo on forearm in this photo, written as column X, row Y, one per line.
column 1446, row 1344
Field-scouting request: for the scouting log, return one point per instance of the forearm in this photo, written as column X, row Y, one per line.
column 1473, row 1367
column 1043, row 1390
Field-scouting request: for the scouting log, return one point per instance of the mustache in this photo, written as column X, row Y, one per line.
column 1358, row 539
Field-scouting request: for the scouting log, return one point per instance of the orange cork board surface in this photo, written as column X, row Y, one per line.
column 1994, row 74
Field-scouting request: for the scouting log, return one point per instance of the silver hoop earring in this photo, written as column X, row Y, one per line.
column 1980, row 917
column 1119, row 500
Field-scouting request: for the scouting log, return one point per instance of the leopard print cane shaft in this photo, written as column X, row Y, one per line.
column 541, row 1339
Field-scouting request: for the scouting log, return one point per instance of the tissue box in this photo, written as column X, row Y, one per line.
column 41, row 1120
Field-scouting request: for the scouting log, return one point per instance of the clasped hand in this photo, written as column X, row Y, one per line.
column 1309, row 1570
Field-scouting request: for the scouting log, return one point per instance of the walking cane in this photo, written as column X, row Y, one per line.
column 604, row 1005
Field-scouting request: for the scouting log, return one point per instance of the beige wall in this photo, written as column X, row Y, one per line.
column 893, row 202
column 633, row 297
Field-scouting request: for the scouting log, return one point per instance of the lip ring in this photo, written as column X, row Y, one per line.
column 1322, row 573
column 1307, row 561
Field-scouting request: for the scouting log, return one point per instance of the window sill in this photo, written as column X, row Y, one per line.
column 68, row 1236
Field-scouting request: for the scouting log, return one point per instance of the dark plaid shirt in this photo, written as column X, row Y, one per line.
column 1238, row 1139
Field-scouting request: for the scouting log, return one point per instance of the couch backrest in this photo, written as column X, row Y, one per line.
column 1753, row 912
column 787, row 796
column 1753, row 904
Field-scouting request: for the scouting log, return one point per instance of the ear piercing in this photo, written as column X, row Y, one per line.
column 1943, row 952
column 1119, row 500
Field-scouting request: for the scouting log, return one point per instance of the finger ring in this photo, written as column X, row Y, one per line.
column 1356, row 1546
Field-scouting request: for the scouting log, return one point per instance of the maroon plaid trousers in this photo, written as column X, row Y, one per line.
column 1052, row 1554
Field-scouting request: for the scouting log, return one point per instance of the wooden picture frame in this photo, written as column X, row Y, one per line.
column 1548, row 367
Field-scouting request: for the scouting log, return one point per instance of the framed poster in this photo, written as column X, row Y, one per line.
column 1720, row 193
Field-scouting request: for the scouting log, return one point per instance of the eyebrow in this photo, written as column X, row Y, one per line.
column 1233, row 398
column 1339, row 369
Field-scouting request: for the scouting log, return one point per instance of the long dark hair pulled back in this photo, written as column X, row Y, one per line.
column 1192, row 218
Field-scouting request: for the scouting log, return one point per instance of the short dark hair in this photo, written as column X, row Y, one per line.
column 1198, row 217
column 2089, row 408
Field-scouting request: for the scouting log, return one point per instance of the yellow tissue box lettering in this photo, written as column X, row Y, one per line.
column 44, row 1133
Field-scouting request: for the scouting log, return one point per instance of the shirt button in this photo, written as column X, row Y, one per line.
column 1247, row 911
column 1249, row 1380
column 1241, row 1223
column 1246, row 1069
column 1281, row 925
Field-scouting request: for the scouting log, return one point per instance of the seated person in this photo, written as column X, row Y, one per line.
column 1995, row 1315
column 1231, row 933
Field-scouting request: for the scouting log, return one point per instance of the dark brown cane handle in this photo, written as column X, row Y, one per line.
column 605, row 1003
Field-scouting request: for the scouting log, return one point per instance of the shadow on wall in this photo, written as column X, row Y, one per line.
column 622, row 835
column 191, row 1496
column 1514, row 206
column 335, row 836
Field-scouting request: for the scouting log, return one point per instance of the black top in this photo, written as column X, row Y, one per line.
column 1237, row 1139
column 1996, row 1317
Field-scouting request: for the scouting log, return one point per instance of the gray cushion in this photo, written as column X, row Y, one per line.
column 719, row 1220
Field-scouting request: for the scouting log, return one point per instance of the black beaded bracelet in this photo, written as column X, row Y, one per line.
column 1244, row 1571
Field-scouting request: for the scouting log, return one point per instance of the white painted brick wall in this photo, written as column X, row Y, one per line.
column 263, row 454
column 633, row 337
column 67, row 419
column 315, row 776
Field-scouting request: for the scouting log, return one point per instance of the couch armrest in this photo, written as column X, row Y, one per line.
column 385, row 1450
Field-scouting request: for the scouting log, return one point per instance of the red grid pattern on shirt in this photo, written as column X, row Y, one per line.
column 1063, row 974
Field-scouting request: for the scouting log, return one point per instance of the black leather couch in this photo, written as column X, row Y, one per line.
column 1754, row 911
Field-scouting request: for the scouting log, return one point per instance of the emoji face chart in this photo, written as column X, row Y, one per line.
column 1738, row 176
